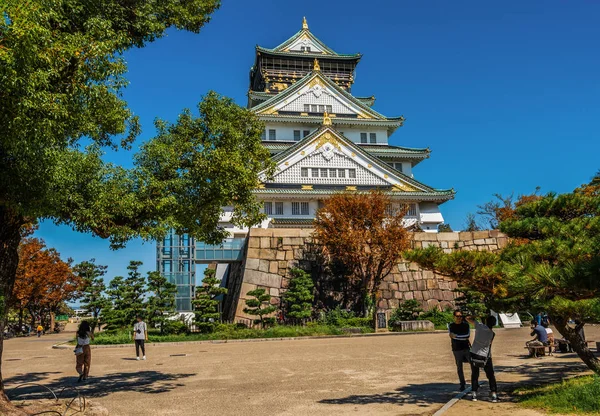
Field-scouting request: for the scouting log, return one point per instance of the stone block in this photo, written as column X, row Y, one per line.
column 430, row 244
column 261, row 232
column 382, row 304
column 298, row 253
column 432, row 304
column 268, row 254
column 246, row 287
column 479, row 241
column 496, row 233
column 393, row 286
column 428, row 274
column 447, row 250
column 502, row 242
column 386, row 294
column 274, row 291
column 253, row 253
column 263, row 265
column 490, row 241
column 492, row 247
column 412, row 285
column 417, row 244
column 431, row 283
column 421, row 285
column 418, row 295
column 413, row 266
column 287, row 241
column 408, row 295
column 274, row 301
column 444, row 244
column 403, row 287
column 413, row 326
column 254, row 242
column 402, row 267
column 447, row 295
column 283, row 264
column 423, row 236
column 481, row 234
column 265, row 242
column 465, row 236
column 388, row 278
column 280, row 255
column 397, row 295
column 273, row 267
column 289, row 255
column 262, row 278
column 393, row 303
column 448, row 237
column 285, row 283
column 426, row 295
column 252, row 264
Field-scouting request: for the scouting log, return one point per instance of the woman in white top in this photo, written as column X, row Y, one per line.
column 84, row 360
column 550, row 333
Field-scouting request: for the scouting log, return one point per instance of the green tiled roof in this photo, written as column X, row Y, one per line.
column 445, row 194
column 328, row 51
column 317, row 74
column 377, row 150
column 392, row 122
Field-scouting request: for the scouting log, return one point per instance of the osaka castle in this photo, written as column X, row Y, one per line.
column 324, row 140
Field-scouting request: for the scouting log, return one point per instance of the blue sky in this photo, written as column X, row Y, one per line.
column 506, row 94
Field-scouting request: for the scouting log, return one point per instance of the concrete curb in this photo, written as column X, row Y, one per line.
column 453, row 401
column 62, row 346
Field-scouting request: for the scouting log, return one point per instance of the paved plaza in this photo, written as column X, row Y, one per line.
column 376, row 375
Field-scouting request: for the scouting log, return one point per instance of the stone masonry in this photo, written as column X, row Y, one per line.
column 272, row 252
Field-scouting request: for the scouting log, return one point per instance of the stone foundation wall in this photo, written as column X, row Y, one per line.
column 272, row 252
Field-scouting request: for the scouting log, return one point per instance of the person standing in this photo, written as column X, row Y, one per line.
column 459, row 332
column 84, row 359
column 140, row 335
column 481, row 356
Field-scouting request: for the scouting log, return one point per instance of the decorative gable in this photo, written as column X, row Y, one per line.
column 304, row 43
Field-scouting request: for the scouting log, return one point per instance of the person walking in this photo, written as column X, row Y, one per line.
column 459, row 332
column 140, row 335
column 40, row 329
column 481, row 356
column 84, row 358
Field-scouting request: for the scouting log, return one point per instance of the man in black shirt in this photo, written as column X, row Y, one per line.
column 460, row 331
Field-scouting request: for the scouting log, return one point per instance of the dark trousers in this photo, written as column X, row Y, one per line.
column 461, row 357
column 489, row 373
column 139, row 343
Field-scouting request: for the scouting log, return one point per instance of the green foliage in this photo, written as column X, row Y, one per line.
column 406, row 311
column 260, row 306
column 161, row 302
column 444, row 228
column 299, row 296
column 471, row 301
column 440, row 319
column 206, row 304
column 573, row 396
column 342, row 318
column 92, row 298
column 127, row 298
column 471, row 223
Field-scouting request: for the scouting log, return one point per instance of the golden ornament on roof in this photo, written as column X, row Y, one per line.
column 304, row 23
column 316, row 66
column 326, row 119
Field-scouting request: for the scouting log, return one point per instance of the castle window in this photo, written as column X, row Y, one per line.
column 373, row 137
column 268, row 208
column 341, row 173
column 272, row 134
column 307, row 108
column 363, row 137
column 352, row 173
column 314, row 108
column 295, row 208
column 329, row 108
column 315, row 172
column 263, row 136
column 304, row 208
column 304, row 172
column 278, row 208
column 296, row 135
column 321, row 108
column 323, row 172
column 332, row 173
column 305, row 133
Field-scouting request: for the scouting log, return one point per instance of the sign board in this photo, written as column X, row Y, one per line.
column 510, row 320
column 381, row 320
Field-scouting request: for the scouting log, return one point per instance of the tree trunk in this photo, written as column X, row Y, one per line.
column 52, row 319
column 10, row 227
column 578, row 344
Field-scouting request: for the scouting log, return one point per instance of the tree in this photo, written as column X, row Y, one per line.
column 364, row 233
column 161, row 303
column 471, row 223
column 551, row 263
column 407, row 311
column 62, row 73
column 127, row 298
column 260, row 306
column 444, row 228
column 206, row 304
column 92, row 298
column 299, row 296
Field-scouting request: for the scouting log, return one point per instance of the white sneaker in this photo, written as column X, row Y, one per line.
column 494, row 397
column 144, row 358
column 137, row 358
column 474, row 396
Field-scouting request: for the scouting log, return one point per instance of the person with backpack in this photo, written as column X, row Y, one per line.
column 481, row 356
column 140, row 335
column 83, row 352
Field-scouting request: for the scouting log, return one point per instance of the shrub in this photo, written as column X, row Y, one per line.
column 407, row 311
column 298, row 298
column 337, row 316
column 440, row 319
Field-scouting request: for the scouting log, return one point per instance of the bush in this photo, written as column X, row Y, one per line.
column 408, row 310
column 337, row 316
column 440, row 319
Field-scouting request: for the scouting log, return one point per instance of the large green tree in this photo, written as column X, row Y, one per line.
column 206, row 304
column 298, row 298
column 128, row 298
column 62, row 72
column 551, row 264
column 91, row 297
column 161, row 302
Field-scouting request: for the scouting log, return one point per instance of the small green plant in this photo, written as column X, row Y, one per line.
column 298, row 299
column 206, row 304
column 260, row 306
column 407, row 311
column 440, row 319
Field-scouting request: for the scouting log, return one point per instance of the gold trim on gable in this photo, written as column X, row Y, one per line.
column 350, row 188
column 328, row 138
column 401, row 187
column 307, row 187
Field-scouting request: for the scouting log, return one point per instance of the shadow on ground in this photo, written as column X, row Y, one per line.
column 422, row 395
column 545, row 370
column 149, row 382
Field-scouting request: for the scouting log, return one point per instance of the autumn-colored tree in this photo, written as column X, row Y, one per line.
column 44, row 281
column 550, row 265
column 365, row 233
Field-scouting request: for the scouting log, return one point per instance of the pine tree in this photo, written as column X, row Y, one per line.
column 206, row 304
column 92, row 298
column 161, row 303
column 127, row 298
column 299, row 296
column 260, row 306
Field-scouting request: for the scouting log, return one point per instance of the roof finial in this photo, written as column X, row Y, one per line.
column 326, row 119
column 316, row 66
column 304, row 23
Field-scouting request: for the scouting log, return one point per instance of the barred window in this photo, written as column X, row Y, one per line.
column 323, row 172
column 342, row 173
column 352, row 173
column 412, row 210
column 332, row 173
column 295, row 208
column 305, row 133
column 373, row 137
column 315, row 172
column 329, row 108
column 268, row 208
column 304, row 172
column 307, row 108
column 304, row 208
column 272, row 134
column 363, row 137
column 278, row 208
column 296, row 135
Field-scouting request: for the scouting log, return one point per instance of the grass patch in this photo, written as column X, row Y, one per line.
column 226, row 332
column 579, row 395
